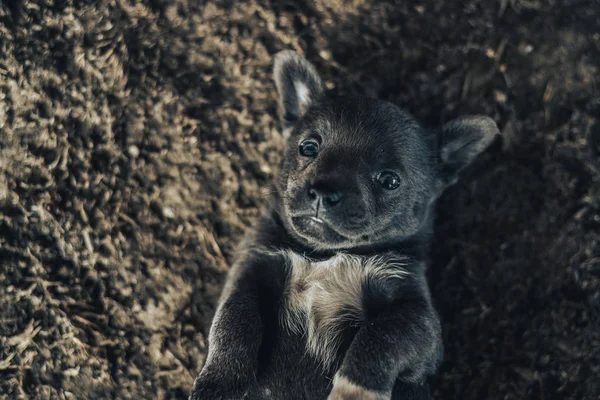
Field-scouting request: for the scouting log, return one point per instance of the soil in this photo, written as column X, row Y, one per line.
column 137, row 139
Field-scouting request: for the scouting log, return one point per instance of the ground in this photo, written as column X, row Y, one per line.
column 138, row 139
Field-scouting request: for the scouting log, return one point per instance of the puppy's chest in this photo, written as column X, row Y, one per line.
column 323, row 299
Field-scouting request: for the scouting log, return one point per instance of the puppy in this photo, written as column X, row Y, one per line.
column 327, row 298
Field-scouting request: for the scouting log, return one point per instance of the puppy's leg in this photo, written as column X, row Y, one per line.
column 346, row 390
column 401, row 342
column 236, row 334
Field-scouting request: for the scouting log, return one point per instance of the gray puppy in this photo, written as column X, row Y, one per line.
column 327, row 298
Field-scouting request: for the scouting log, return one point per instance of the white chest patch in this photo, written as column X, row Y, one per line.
column 322, row 297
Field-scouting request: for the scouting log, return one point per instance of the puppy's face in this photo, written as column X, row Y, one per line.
column 360, row 171
column 356, row 171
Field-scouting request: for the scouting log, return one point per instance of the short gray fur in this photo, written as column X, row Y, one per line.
column 327, row 297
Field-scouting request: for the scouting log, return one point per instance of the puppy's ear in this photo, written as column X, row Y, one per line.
column 298, row 85
column 460, row 141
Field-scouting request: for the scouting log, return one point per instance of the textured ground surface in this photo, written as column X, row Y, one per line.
column 136, row 138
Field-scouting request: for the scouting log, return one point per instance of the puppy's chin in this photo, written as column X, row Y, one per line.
column 318, row 233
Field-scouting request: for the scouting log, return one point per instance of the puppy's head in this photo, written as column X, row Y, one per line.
column 359, row 171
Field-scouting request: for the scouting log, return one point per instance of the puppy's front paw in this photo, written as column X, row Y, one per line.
column 344, row 389
column 214, row 389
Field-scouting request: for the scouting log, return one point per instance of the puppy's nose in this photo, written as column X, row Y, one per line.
column 329, row 197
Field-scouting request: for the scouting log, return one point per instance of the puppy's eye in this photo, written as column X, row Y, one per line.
column 388, row 180
column 309, row 148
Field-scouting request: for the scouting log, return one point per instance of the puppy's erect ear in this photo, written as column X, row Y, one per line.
column 460, row 141
column 298, row 85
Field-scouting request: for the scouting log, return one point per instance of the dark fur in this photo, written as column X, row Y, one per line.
column 391, row 343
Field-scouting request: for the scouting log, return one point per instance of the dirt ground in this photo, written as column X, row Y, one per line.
column 137, row 137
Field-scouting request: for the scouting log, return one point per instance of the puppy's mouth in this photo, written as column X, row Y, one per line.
column 314, row 228
column 316, row 220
